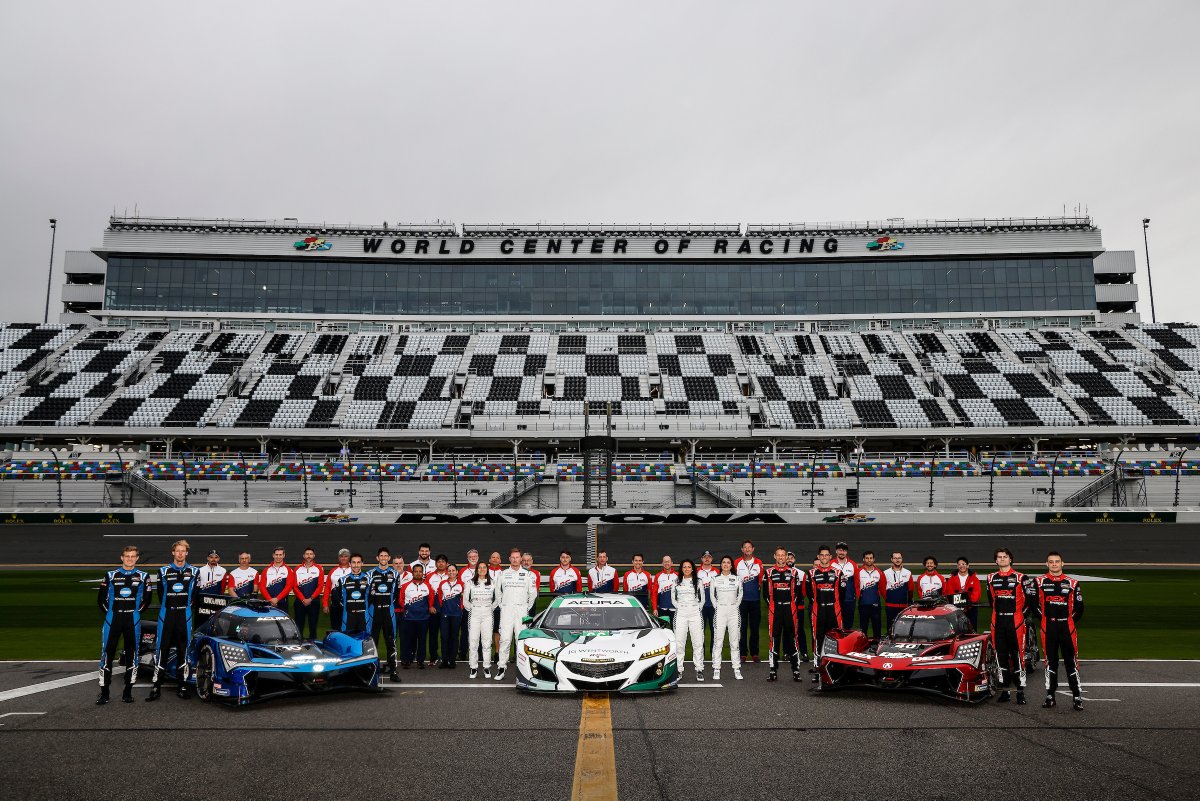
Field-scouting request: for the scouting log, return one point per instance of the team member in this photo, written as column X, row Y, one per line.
column 435, row 579
column 332, row 582
column 1060, row 607
column 382, row 587
column 660, row 598
column 210, row 578
column 603, row 576
column 479, row 597
column 749, row 569
column 124, row 594
column 417, row 602
column 425, row 560
column 869, row 581
column 707, row 572
column 176, row 589
column 450, row 614
column 844, row 563
column 824, row 589
column 636, row 582
column 467, row 573
column 495, row 568
column 243, row 579
column 687, row 597
column 565, row 578
column 966, row 583
column 931, row 582
column 309, row 588
column 276, row 580
column 516, row 592
column 898, row 588
column 726, row 590
column 784, row 591
column 403, row 574
column 1013, row 599
column 527, row 563
column 350, row 605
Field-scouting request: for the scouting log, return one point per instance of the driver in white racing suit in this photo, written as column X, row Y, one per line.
column 726, row 592
column 480, row 597
column 687, row 597
column 517, row 592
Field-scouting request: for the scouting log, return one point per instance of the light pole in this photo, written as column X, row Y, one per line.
column 1149, row 277
column 50, row 275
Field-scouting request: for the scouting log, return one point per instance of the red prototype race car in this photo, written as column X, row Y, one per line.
column 932, row 648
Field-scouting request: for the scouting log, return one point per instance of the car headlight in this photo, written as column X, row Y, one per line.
column 233, row 655
column 666, row 649
column 969, row 652
column 531, row 651
column 368, row 648
column 830, row 646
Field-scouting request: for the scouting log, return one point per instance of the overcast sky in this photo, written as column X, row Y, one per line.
column 645, row 111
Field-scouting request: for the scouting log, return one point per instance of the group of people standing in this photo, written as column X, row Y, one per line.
column 431, row 609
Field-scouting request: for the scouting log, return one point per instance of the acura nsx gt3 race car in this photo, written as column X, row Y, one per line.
column 931, row 648
column 601, row 642
column 251, row 650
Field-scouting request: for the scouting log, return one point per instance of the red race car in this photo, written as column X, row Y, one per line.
column 931, row 648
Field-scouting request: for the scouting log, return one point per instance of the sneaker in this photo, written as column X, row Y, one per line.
column 102, row 698
column 183, row 693
column 155, row 692
column 500, row 673
column 772, row 676
column 1049, row 703
column 127, row 694
column 745, row 659
column 474, row 673
column 1077, row 703
column 487, row 673
column 737, row 674
column 797, row 676
column 1005, row 697
column 1021, row 698
column 716, row 675
column 699, row 674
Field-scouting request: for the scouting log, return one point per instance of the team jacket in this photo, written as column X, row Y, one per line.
column 123, row 592
column 176, row 588
column 868, row 586
column 209, row 580
column 564, row 580
column 1059, row 600
column 602, row 579
column 434, row 580
column 706, row 575
column 849, row 570
column 381, row 593
column 449, row 599
column 351, row 598
column 241, row 583
column 660, row 599
column 333, row 581
column 928, row 583
column 416, row 599
column 308, row 582
column 970, row 587
column 1013, row 598
column 898, row 587
column 275, row 583
column 750, row 572
column 637, row 585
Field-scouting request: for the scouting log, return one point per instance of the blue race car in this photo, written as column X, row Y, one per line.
column 251, row 650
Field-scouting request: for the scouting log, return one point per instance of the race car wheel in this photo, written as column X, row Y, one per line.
column 205, row 667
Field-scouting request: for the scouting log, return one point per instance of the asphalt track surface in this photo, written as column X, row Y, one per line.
column 736, row 740
column 1082, row 544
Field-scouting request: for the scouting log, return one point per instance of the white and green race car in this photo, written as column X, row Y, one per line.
column 602, row 642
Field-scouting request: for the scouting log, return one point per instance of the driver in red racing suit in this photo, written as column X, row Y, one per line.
column 1013, row 598
column 1060, row 607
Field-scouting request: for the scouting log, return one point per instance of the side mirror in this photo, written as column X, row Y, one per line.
column 526, row 620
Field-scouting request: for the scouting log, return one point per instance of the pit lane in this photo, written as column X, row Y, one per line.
column 439, row 735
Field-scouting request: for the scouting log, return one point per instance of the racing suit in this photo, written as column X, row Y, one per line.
column 930, row 584
column 957, row 585
column 824, row 589
column 1060, row 607
column 868, row 584
column 450, row 614
column 123, row 596
column 309, row 585
column 602, row 579
column 750, row 572
column 240, row 582
column 464, row 575
column 176, row 588
column 726, row 594
column 381, row 597
column 660, row 598
column 349, row 605
column 898, row 586
column 850, row 592
column 706, row 575
column 785, row 600
column 687, row 597
column 1013, row 598
column 478, row 601
column 416, row 599
column 434, row 580
column 333, row 583
column 516, row 592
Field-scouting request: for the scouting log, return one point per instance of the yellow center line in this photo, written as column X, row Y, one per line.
column 595, row 757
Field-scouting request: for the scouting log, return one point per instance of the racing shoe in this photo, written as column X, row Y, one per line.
column 1021, row 698
column 183, row 693
column 700, row 674
column 772, row 676
column 717, row 674
column 155, row 692
column 1049, row 703
column 500, row 672
column 737, row 674
column 102, row 699
column 127, row 694
column 1077, row 704
column 474, row 673
column 797, row 676
column 395, row 677
column 487, row 673
column 1005, row 697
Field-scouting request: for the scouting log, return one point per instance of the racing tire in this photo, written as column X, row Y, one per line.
column 206, row 663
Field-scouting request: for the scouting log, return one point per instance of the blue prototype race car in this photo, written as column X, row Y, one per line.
column 251, row 650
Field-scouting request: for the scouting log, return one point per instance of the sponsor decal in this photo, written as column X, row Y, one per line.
column 1105, row 517
column 848, row 517
column 331, row 518
column 312, row 243
column 597, row 659
column 126, row 592
column 886, row 665
column 74, row 518
column 885, row 243
column 560, row 518
column 177, row 587
column 356, row 595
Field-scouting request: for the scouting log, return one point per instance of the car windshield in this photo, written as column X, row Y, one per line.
column 595, row 618
column 922, row 627
column 274, row 630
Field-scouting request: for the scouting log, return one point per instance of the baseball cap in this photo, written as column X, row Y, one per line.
column 842, row 545
column 707, row 553
column 213, row 552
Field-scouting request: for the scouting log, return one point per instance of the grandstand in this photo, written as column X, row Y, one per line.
column 834, row 365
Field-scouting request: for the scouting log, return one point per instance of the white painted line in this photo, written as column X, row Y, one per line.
column 32, row 689
column 1187, row 661
column 1009, row 536
column 9, row 714
column 204, row 536
column 1143, row 684
column 46, row 661
column 1089, row 698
